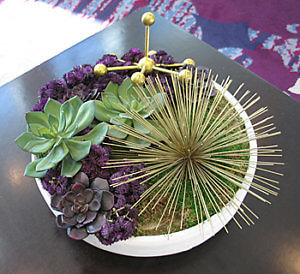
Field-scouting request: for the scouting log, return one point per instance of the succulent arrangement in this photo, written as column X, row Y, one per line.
column 117, row 100
column 52, row 136
column 84, row 207
column 108, row 150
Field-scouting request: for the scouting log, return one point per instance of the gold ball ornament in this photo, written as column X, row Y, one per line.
column 100, row 69
column 138, row 78
column 189, row 61
column 148, row 18
column 146, row 64
column 185, row 75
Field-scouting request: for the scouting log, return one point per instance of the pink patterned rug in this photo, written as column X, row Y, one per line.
column 263, row 36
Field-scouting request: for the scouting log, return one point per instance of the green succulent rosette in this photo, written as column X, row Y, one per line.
column 119, row 105
column 51, row 135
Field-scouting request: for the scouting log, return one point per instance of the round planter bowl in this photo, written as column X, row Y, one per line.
column 161, row 245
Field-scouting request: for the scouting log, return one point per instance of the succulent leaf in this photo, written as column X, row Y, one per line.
column 62, row 122
column 76, row 103
column 78, row 149
column 85, row 115
column 70, row 167
column 140, row 128
column 117, row 107
column 69, row 112
column 36, row 129
column 96, row 135
column 37, row 117
column 52, row 133
column 136, row 142
column 114, row 132
column 112, row 87
column 34, row 144
column 52, row 108
column 30, row 170
column 54, row 122
column 57, row 154
column 114, row 101
column 123, row 91
column 102, row 113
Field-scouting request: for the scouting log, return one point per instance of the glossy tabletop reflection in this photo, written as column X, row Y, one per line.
column 29, row 239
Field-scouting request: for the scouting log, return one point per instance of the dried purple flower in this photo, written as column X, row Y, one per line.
column 54, row 183
column 93, row 164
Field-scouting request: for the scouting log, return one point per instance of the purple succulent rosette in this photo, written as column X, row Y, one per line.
column 84, row 207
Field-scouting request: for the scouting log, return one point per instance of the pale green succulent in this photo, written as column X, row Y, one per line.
column 118, row 101
column 51, row 136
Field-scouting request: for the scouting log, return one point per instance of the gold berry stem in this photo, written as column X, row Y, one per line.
column 147, row 37
column 164, row 70
column 122, row 68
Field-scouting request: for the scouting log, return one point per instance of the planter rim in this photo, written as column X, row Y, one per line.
column 162, row 245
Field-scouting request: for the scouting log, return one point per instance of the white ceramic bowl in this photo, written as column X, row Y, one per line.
column 161, row 245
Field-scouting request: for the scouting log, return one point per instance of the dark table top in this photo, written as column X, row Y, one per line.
column 29, row 239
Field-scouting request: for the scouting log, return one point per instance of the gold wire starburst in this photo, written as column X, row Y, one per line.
column 146, row 64
column 196, row 143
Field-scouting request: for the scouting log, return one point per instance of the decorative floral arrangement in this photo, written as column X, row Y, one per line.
column 110, row 146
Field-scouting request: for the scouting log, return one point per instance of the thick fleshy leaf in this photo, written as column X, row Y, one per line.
column 114, row 101
column 136, row 142
column 98, row 194
column 69, row 112
column 80, row 198
column 56, row 201
column 125, row 115
column 62, row 122
column 102, row 113
column 68, row 212
column 30, row 170
column 85, row 115
column 52, row 108
column 88, row 194
column 59, row 222
column 57, row 154
column 90, row 216
column 70, row 132
column 112, row 87
column 140, row 128
column 96, row 135
column 70, row 167
column 100, row 184
column 123, row 91
column 94, row 205
column 78, row 188
column 76, row 103
column 77, row 233
column 81, row 217
column 78, row 149
column 38, row 129
column 107, row 201
column 81, row 178
column 34, row 144
column 69, row 197
column 96, row 225
column 54, row 122
column 37, row 117
column 117, row 120
column 106, row 102
column 69, row 221
column 114, row 132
